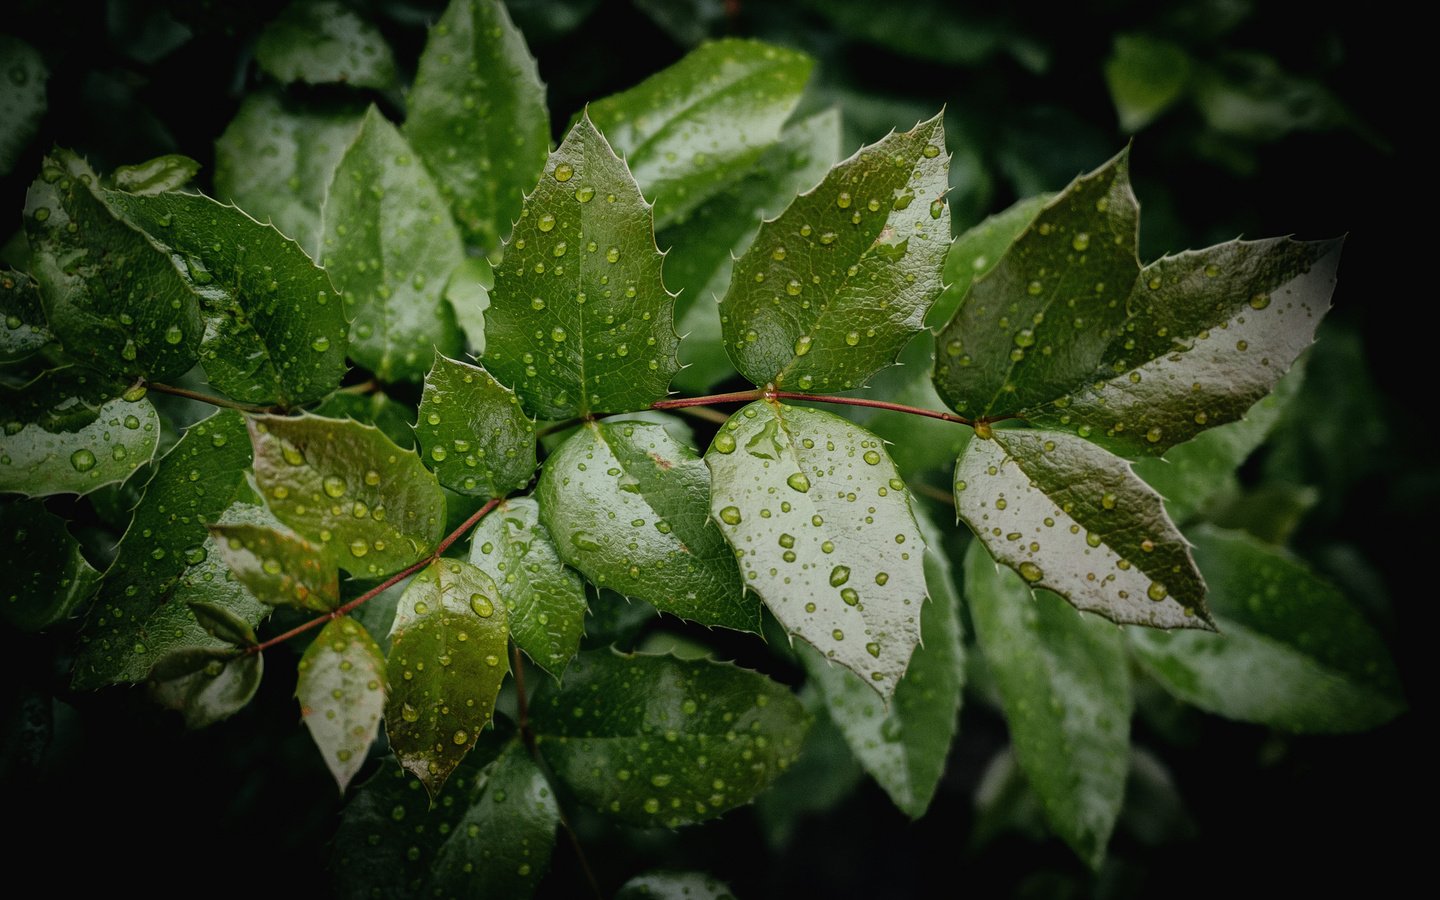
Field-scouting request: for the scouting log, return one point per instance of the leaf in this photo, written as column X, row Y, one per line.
column 545, row 600
column 112, row 297
column 279, row 568
column 1146, row 76
column 1072, row 518
column 274, row 327
column 1212, row 330
column 477, row 117
column 821, row 524
column 25, row 328
column 674, row 741
column 71, row 431
column 391, row 416
column 276, row 159
column 46, row 575
column 663, row 885
column 472, row 431
column 447, row 659
column 687, row 21
column 469, row 295
column 22, row 98
column 1292, row 652
column 223, row 624
column 980, row 249
column 1065, row 687
column 156, row 176
column 831, row 290
column 165, row 558
column 904, row 746
column 380, row 508
column 341, row 693
column 695, row 127
column 579, row 320
column 935, row 30
column 205, row 685
column 1040, row 320
column 626, row 504
column 821, row 778
column 321, row 41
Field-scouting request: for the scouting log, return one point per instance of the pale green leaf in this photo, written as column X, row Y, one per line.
column 322, row 41
column 46, row 576
column 156, row 176
column 205, row 685
column 664, row 885
column 391, row 416
column 627, row 505
column 472, row 431
column 978, row 250
column 579, row 320
column 469, row 295
column 831, row 290
column 342, row 696
column 277, row 567
column 22, row 98
column 22, row 316
column 643, row 723
column 821, row 524
column 1146, row 76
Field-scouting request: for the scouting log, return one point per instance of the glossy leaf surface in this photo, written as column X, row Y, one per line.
column 472, row 431
column 341, row 689
column 47, row 577
column 322, row 41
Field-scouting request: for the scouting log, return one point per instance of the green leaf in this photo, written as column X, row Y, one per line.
column 579, row 320
column 22, row 98
column 674, row 741
column 223, row 624
column 544, row 599
column 447, row 659
column 341, row 694
column 831, row 290
column 1072, row 518
column 469, row 295
column 687, row 21
column 276, row 159
column 71, row 431
column 372, row 506
column 1040, row 320
column 46, row 576
column 1210, row 332
column 25, row 328
column 322, row 41
column 279, row 568
column 1250, row 96
column 934, row 30
column 156, row 176
column 112, row 297
column 472, row 431
column 821, row 524
column 379, row 409
column 166, row 558
column 695, row 127
column 1065, row 687
column 904, row 746
column 390, row 246
column 980, row 249
column 1292, row 652
column 820, row 779
column 1146, row 76
column 477, row 117
column 627, row 505
column 274, row 326
column 205, row 685
column 662, row 885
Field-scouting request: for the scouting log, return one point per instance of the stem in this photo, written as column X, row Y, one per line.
column 709, row 400
column 931, row 491
column 364, row 387
column 205, row 398
column 873, row 404
column 704, row 413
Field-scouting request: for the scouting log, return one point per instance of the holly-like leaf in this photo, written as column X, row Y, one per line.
column 71, row 431
column 661, row 885
column 112, row 297
column 276, row 158
column 1292, row 652
column 341, row 693
column 821, row 524
column 447, row 659
column 831, row 290
column 274, row 326
column 980, row 249
column 205, row 685
column 23, row 319
column 673, row 741
column 579, row 320
column 322, row 41
column 821, row 778
column 391, row 416
column 1065, row 686
column 372, row 507
column 1146, row 76
column 390, row 246
column 223, row 624
column 695, row 127
column 472, row 431
column 478, row 119
column 279, row 568
column 156, row 176
column 46, row 576
column 544, row 598
column 22, row 98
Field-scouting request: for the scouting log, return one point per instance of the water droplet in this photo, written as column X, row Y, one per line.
column 1108, row 500
column 937, row 209
column 1031, row 572
column 1157, row 591
column 1081, row 241
column 82, row 460
column 850, row 596
column 1259, row 301
column 1154, row 435
column 557, row 334
column 730, row 515
column 585, row 193
column 563, row 172
column 460, row 737
column 843, row 200
column 872, row 457
column 839, row 575
column 546, row 222
column 320, row 344
column 873, row 649
column 930, row 151
column 173, row 335
column 612, row 255
column 359, row 548
column 724, row 442
column 802, row 345
column 1025, row 337
column 438, row 454
column 799, row 482
column 334, row 486
column 482, row 606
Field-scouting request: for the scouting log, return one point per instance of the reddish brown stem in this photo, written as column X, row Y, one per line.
column 709, row 400
column 873, row 404
column 206, row 398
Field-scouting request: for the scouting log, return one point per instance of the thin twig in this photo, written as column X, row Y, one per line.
column 873, row 404
column 709, row 400
column 206, row 398
column 931, row 491
column 705, row 413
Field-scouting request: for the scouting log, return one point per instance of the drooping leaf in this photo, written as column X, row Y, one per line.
column 1292, row 651
column 274, row 326
column 695, row 127
column 935, row 30
column 390, row 245
column 546, row 19
column 156, row 176
column 278, row 567
column 478, row 119
column 204, row 684
column 322, row 41
column 276, row 159
column 1072, row 518
column 904, row 746
column 223, row 624
column 22, row 98
column 372, row 507
column 545, row 599
column 664, row 885
column 821, row 524
column 341, row 689
column 674, row 741
column 447, row 659
column 391, row 416
column 112, row 297
column 831, row 290
column 1146, row 76
column 472, row 431
column 46, row 576
column 978, row 250
column 1250, row 96
column 71, row 431
column 627, row 505
column 1065, row 686
column 25, row 329
column 579, row 320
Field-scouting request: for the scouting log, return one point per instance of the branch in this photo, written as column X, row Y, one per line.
column 206, row 398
